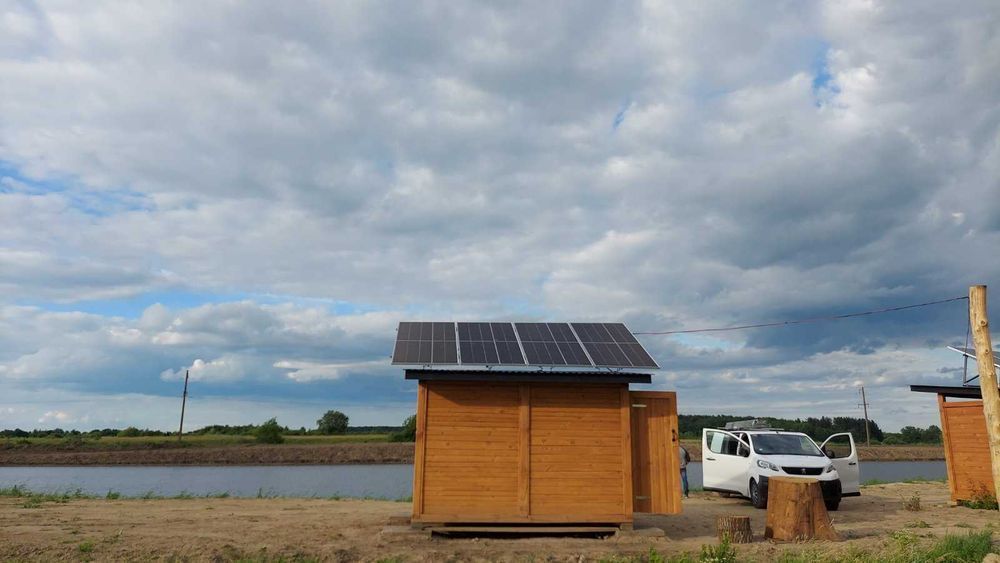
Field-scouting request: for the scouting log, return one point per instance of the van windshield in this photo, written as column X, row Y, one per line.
column 784, row 444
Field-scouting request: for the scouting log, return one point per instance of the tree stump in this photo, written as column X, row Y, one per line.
column 795, row 510
column 736, row 527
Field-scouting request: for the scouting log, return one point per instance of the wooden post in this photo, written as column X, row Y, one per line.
column 184, row 398
column 795, row 510
column 864, row 403
column 736, row 527
column 979, row 320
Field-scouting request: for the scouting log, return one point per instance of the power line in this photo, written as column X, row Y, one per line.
column 809, row 320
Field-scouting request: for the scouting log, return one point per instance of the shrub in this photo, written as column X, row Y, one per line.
column 913, row 503
column 408, row 433
column 982, row 499
column 269, row 432
column 130, row 432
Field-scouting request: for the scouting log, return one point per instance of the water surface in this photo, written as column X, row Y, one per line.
column 379, row 481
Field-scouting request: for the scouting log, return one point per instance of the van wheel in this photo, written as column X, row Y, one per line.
column 756, row 495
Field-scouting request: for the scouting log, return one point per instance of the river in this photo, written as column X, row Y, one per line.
column 376, row 481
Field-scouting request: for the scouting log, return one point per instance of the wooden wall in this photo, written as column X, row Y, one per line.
column 966, row 448
column 522, row 453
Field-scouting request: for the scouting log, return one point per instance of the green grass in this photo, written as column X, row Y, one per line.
column 190, row 440
column 900, row 547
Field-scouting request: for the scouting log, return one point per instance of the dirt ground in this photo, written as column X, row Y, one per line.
column 355, row 530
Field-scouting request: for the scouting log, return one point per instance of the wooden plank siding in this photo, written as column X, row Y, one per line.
column 510, row 453
column 966, row 448
column 655, row 454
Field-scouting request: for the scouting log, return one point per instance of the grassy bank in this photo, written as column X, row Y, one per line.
column 193, row 440
column 220, row 449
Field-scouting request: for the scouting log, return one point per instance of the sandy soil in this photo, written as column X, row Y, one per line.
column 353, row 530
column 287, row 454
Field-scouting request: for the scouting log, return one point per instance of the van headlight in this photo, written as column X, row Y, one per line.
column 828, row 469
column 766, row 465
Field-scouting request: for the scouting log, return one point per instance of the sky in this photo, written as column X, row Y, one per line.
column 259, row 192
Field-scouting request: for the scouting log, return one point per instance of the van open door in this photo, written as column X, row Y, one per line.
column 843, row 453
column 725, row 466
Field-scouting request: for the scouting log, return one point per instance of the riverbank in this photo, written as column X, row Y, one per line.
column 248, row 454
column 226, row 529
column 318, row 454
column 312, row 454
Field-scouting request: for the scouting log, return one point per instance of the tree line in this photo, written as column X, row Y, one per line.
column 335, row 422
column 690, row 426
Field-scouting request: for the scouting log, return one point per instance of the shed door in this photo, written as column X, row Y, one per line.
column 655, row 462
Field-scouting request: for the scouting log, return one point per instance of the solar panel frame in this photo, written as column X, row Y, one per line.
column 597, row 345
column 425, row 343
column 489, row 344
column 613, row 345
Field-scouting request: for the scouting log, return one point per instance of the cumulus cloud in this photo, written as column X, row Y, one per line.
column 666, row 164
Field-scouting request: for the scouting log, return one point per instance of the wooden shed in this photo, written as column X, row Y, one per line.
column 527, row 448
column 966, row 444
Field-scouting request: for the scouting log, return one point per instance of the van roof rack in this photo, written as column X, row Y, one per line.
column 752, row 424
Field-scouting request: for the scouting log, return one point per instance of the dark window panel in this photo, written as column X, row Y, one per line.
column 486, row 331
column 544, row 334
column 478, row 353
column 463, row 332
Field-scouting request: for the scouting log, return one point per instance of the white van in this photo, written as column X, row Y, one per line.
column 739, row 462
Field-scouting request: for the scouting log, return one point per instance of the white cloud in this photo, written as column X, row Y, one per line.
column 432, row 161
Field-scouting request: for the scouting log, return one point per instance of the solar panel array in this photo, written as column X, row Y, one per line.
column 520, row 344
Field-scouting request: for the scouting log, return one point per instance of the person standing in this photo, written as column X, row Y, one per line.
column 685, row 457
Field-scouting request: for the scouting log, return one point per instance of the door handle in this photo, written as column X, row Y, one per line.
column 853, row 463
column 709, row 459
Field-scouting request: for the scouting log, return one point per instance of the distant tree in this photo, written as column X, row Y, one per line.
column 408, row 433
column 932, row 435
column 270, row 432
column 130, row 432
column 333, row 422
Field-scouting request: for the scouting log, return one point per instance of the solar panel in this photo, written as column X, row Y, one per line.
column 425, row 343
column 551, row 344
column 489, row 344
column 518, row 344
column 611, row 344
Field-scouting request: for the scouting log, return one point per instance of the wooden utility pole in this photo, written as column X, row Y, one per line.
column 864, row 404
column 184, row 398
column 987, row 375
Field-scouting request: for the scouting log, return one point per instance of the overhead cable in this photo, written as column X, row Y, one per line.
column 804, row 321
